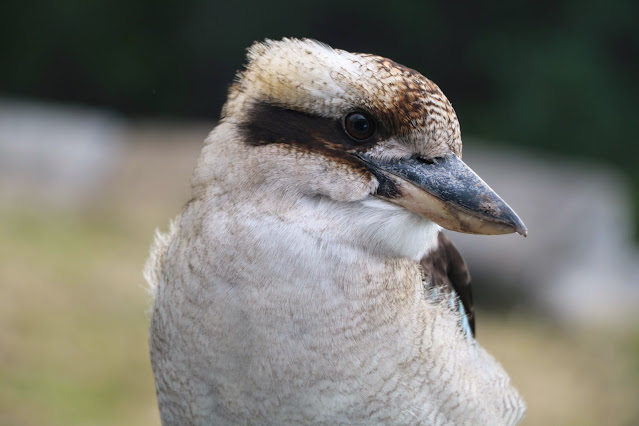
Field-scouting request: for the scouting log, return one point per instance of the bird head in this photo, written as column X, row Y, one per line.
column 350, row 126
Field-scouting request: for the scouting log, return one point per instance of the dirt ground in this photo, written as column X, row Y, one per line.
column 74, row 311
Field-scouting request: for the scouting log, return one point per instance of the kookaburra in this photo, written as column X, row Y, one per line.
column 307, row 280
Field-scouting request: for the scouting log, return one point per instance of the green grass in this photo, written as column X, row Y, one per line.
column 73, row 335
column 73, row 323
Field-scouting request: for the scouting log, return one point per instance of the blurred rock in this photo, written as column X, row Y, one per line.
column 152, row 181
column 56, row 156
column 578, row 263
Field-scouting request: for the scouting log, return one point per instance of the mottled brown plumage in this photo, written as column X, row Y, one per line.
column 445, row 269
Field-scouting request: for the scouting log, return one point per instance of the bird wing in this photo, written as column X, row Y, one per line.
column 446, row 272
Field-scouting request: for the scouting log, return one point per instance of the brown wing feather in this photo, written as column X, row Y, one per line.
column 446, row 270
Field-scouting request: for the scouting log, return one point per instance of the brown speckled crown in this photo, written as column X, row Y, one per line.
column 310, row 77
column 414, row 102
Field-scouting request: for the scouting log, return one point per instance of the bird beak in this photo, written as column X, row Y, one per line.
column 446, row 191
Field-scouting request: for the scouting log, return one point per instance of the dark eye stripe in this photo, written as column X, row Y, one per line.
column 267, row 123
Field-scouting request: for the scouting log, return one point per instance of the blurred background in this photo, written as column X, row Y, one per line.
column 103, row 108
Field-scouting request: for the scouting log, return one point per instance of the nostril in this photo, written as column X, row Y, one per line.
column 425, row 160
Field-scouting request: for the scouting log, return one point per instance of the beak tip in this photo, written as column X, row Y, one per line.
column 520, row 228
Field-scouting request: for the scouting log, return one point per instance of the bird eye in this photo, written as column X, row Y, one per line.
column 359, row 126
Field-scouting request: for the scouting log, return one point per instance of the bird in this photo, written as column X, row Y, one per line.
column 308, row 279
